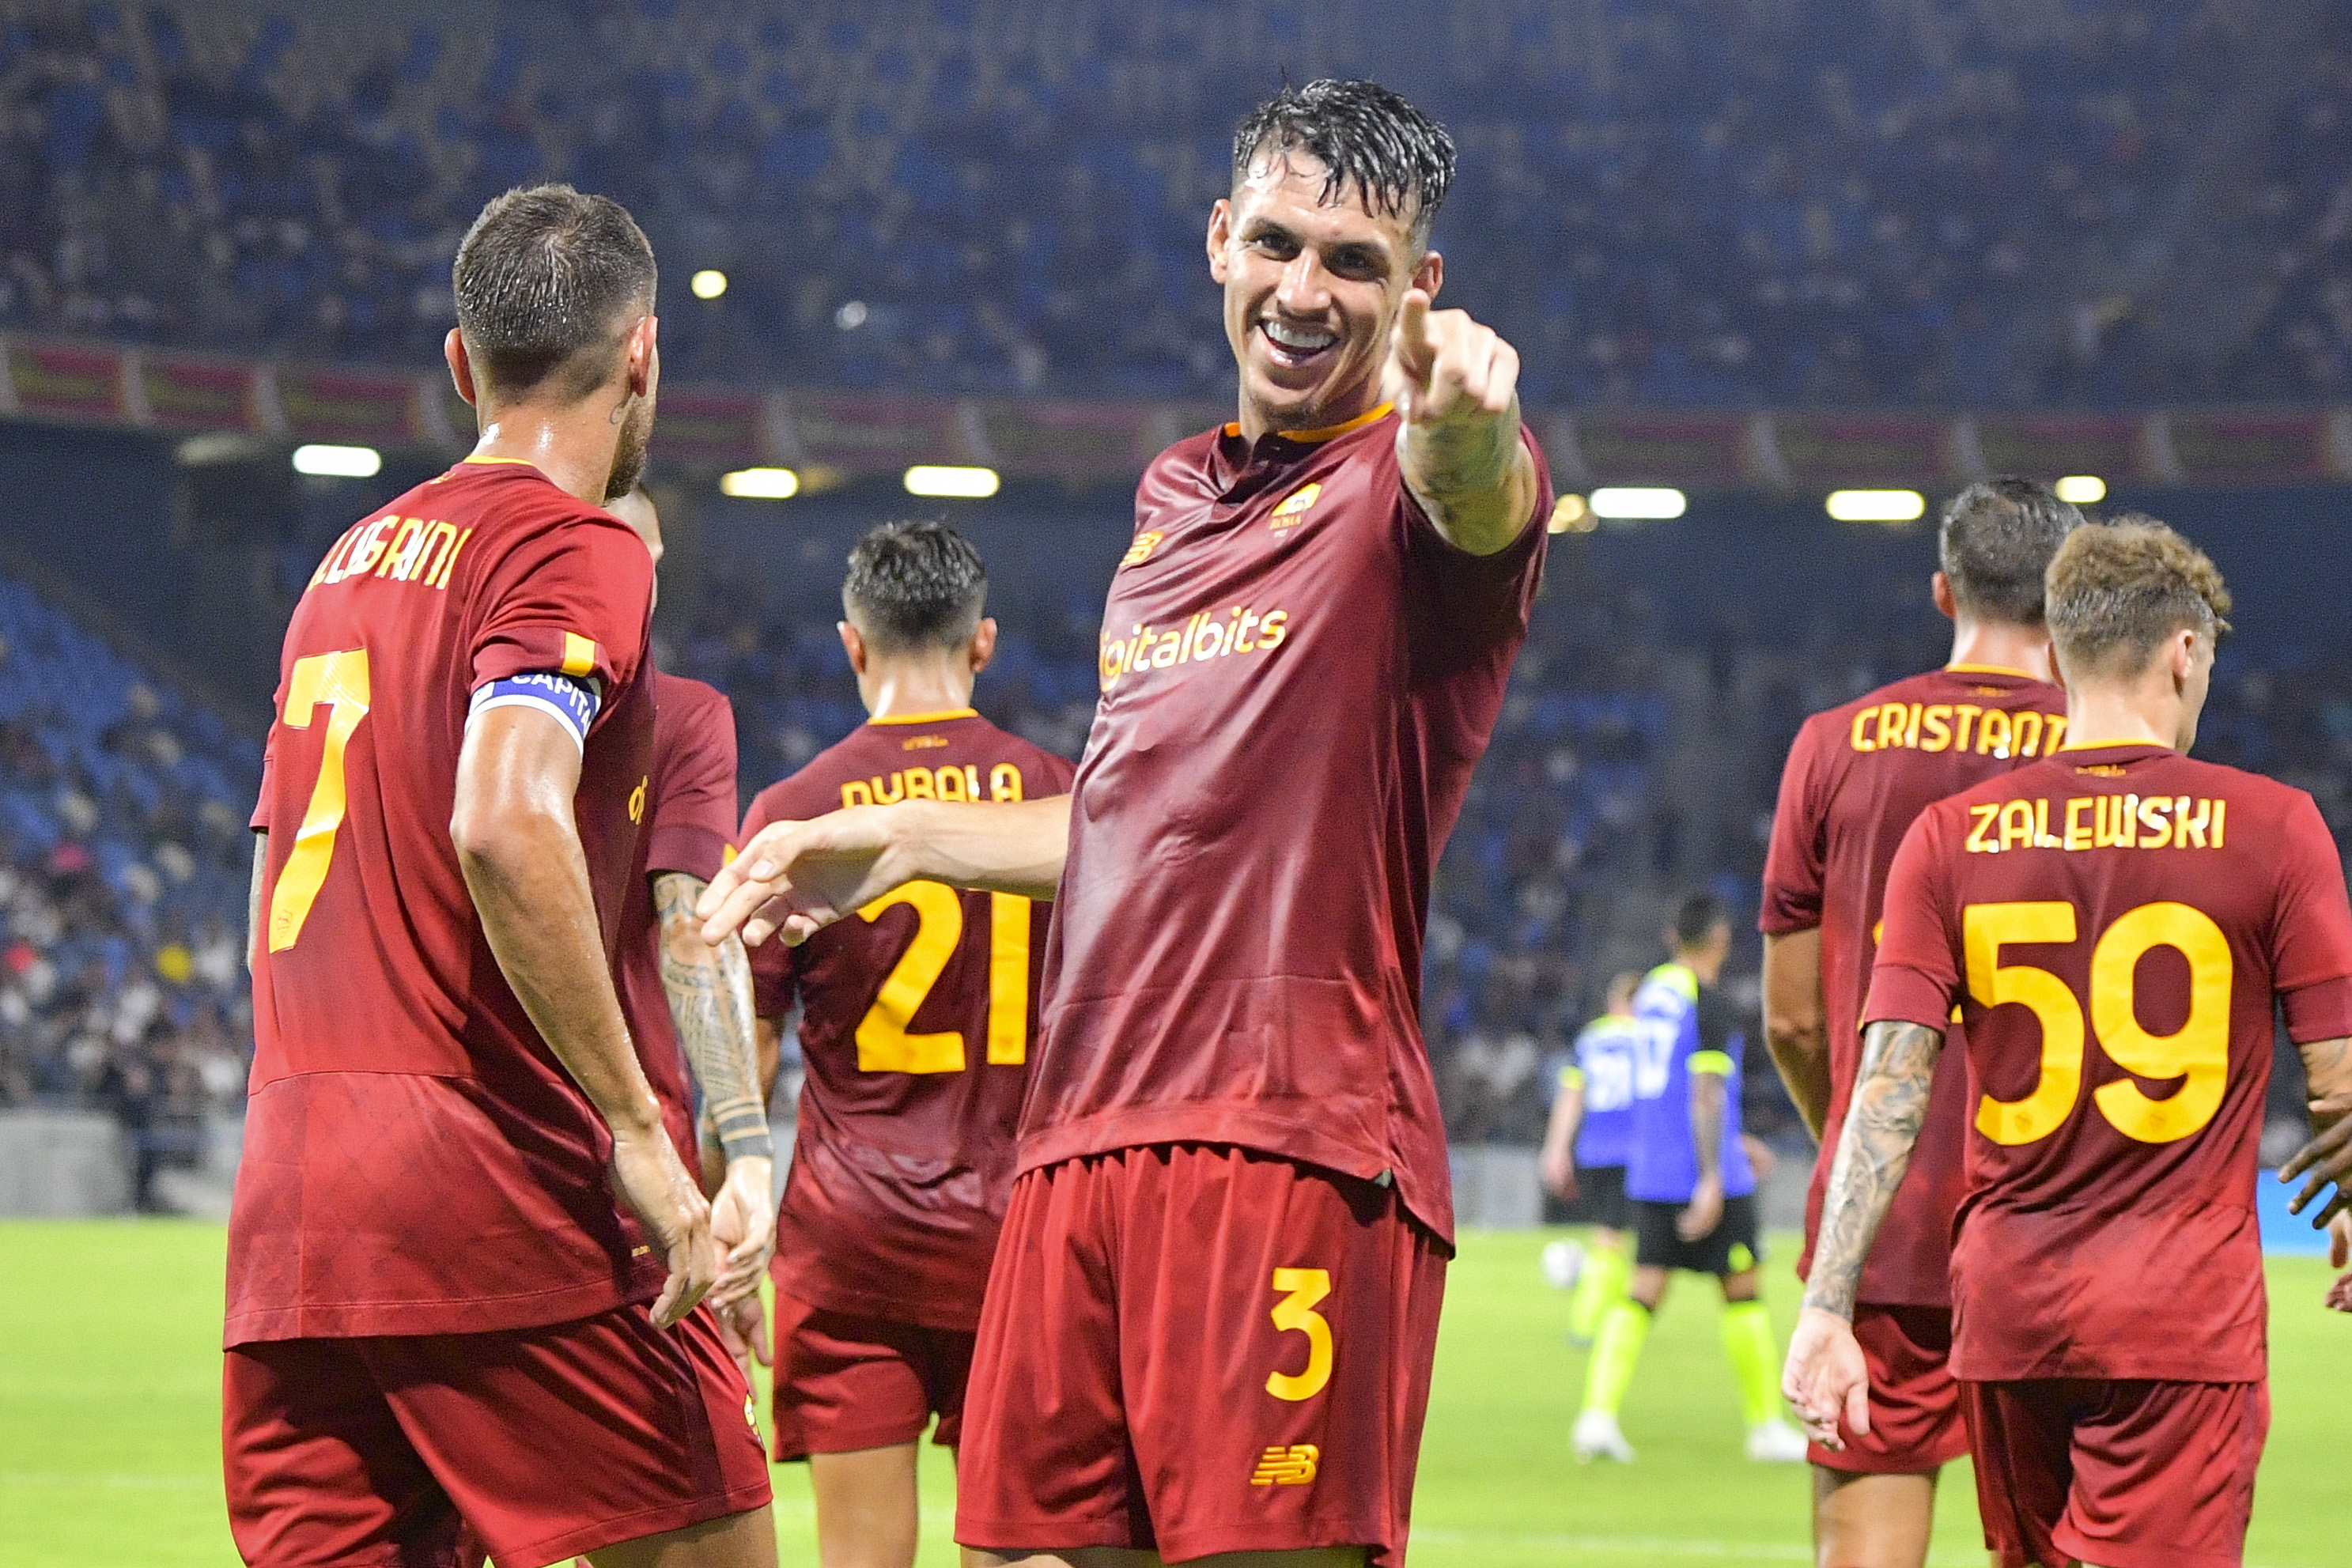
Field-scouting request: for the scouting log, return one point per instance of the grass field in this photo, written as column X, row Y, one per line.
column 109, row 1424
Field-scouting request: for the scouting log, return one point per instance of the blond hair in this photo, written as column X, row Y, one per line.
column 2116, row 592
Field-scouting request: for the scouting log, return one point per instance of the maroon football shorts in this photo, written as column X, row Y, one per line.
column 846, row 1381
column 1915, row 1401
column 1193, row 1349
column 549, row 1442
column 2124, row 1474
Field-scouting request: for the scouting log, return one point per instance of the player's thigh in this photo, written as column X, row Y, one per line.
column 1276, row 1327
column 745, row 1539
column 316, row 1466
column 846, row 1382
column 1872, row 1520
column 867, row 1512
column 577, row 1438
column 1122, row 1557
column 2164, row 1474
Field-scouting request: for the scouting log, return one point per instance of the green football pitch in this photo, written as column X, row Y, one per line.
column 109, row 1386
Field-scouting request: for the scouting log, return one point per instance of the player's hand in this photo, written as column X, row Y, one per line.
column 1699, row 1217
column 2339, row 1241
column 743, row 1227
column 1826, row 1379
column 1558, row 1171
column 1760, row 1158
column 1445, row 368
column 2326, row 1158
column 798, row 878
column 743, row 1329
column 647, row 1177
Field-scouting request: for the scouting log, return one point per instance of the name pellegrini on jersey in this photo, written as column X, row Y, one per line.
column 2098, row 822
column 1241, row 630
column 1951, row 726
column 403, row 550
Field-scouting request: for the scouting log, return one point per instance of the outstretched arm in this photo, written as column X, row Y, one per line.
column 1455, row 385
column 519, row 847
column 710, row 990
column 1824, row 1375
column 800, row 877
column 1793, row 1029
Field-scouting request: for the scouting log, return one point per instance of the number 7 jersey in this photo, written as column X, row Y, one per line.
column 2116, row 924
column 917, row 1014
column 416, row 1161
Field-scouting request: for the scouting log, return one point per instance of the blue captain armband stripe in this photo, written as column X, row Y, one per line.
column 571, row 700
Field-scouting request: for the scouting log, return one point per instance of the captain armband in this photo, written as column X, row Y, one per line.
column 571, row 700
column 1717, row 1063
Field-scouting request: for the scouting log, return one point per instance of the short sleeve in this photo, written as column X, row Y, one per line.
column 773, row 980
column 1916, row 979
column 259, row 821
column 1796, row 861
column 1715, row 1038
column 1475, row 601
column 693, row 820
column 2311, row 929
column 570, row 599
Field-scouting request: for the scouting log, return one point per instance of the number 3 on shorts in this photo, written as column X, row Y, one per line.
column 1303, row 1288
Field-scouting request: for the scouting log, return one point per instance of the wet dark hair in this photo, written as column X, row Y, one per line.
column 1995, row 543
column 548, row 281
column 1696, row 916
column 1364, row 135
column 915, row 585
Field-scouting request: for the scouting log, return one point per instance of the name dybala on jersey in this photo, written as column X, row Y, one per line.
column 2115, row 924
column 416, row 1161
column 1857, row 777
column 917, row 1023
column 1298, row 673
column 689, row 825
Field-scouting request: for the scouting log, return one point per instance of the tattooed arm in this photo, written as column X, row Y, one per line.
column 253, row 899
column 1826, row 1376
column 710, row 990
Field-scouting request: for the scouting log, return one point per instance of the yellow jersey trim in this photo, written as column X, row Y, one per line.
column 1990, row 670
column 518, row 462
column 578, row 654
column 1326, row 432
column 927, row 718
column 2073, row 744
column 1714, row 1061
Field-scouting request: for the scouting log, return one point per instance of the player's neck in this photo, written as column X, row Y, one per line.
column 573, row 447
column 1256, row 420
column 2127, row 715
column 1997, row 645
column 907, row 688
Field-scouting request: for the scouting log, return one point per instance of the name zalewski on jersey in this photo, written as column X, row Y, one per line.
column 2098, row 822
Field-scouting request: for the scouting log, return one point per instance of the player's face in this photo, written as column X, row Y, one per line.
column 1312, row 289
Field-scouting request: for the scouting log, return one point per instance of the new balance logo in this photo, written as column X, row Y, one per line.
column 1290, row 1466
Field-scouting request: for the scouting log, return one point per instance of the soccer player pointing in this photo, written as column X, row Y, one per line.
column 2117, row 924
column 1213, row 1306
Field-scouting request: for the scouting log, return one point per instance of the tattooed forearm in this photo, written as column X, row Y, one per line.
column 710, row 999
column 1707, row 1093
column 1890, row 1101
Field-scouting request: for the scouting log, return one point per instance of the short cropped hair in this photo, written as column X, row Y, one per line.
column 548, row 282
column 1995, row 545
column 2118, row 591
column 1364, row 135
column 1696, row 917
column 915, row 585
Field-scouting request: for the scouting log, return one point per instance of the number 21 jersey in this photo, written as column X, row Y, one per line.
column 918, row 1016
column 417, row 1160
column 2115, row 924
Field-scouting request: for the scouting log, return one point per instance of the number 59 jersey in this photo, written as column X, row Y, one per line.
column 918, row 1016
column 416, row 1161
column 2116, row 924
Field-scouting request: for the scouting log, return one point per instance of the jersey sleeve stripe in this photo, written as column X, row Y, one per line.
column 1715, row 1061
column 578, row 654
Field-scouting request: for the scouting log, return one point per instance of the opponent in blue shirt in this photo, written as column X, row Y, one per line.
column 1586, row 1147
column 1693, row 1189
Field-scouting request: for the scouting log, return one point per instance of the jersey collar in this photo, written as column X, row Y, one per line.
column 940, row 717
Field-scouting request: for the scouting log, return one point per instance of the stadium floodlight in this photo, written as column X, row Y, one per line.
column 1877, row 505
column 760, row 484
column 939, row 479
column 2082, row 489
column 709, row 284
column 337, row 462
column 1569, row 514
column 1638, row 503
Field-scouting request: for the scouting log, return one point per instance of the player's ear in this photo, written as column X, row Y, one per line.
column 983, row 643
column 644, row 356
column 854, row 645
column 1939, row 589
column 1221, row 233
column 461, row 368
column 1429, row 274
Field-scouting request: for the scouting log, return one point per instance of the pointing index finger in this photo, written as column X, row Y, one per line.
column 1415, row 349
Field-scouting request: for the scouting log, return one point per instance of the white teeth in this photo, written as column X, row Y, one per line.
column 1305, row 341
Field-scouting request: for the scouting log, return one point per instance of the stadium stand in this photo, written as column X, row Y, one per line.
column 1949, row 201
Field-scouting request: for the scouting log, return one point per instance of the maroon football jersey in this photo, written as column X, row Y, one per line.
column 1857, row 776
column 2116, row 924
column 690, row 821
column 919, row 1015
column 416, row 1161
column 1298, row 673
